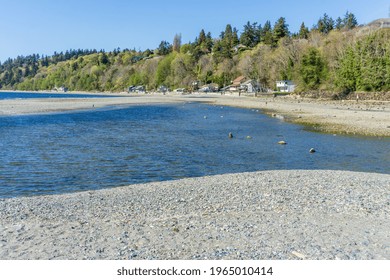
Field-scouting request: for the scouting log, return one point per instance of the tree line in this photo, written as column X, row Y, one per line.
column 332, row 56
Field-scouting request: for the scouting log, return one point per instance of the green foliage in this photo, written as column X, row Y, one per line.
column 346, row 73
column 349, row 21
column 364, row 66
column 251, row 35
column 164, row 48
column 266, row 34
column 303, row 31
column 164, row 70
column 229, row 39
column 325, row 24
column 202, row 45
column 280, row 29
column 312, row 69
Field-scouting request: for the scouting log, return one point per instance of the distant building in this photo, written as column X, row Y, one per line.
column 285, row 86
column 209, row 88
column 244, row 85
column 163, row 89
column 60, row 89
column 138, row 89
column 239, row 47
column 250, row 86
column 236, row 84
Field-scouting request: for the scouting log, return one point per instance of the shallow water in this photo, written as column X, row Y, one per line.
column 67, row 152
column 29, row 95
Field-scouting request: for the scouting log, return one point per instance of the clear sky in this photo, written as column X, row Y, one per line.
column 45, row 26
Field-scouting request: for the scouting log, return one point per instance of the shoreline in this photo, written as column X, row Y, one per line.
column 366, row 118
column 286, row 214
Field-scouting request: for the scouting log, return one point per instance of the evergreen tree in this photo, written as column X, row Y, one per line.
column 312, row 69
column 164, row 48
column 230, row 36
column 303, row 31
column 201, row 38
column 103, row 58
column 203, row 44
column 280, row 29
column 350, row 21
column 250, row 37
column 346, row 75
column 209, row 42
column 229, row 39
column 339, row 23
column 267, row 36
column 325, row 24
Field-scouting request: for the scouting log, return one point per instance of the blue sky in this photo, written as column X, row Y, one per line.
column 45, row 26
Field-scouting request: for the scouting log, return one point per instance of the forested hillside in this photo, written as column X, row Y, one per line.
column 333, row 55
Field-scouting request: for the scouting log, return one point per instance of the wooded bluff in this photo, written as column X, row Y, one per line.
column 334, row 56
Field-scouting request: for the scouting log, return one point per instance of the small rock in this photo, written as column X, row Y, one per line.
column 299, row 255
column 249, row 137
column 230, row 135
column 282, row 142
column 312, row 150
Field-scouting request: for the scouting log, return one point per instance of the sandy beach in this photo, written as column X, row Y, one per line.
column 261, row 215
column 370, row 118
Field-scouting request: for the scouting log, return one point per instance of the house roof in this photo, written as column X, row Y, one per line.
column 247, row 82
column 237, row 81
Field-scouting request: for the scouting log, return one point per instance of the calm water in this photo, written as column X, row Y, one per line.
column 46, row 154
column 19, row 95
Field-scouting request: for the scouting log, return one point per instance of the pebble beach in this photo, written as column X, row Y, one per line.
column 295, row 214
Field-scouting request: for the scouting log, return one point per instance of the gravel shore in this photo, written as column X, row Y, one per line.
column 296, row 214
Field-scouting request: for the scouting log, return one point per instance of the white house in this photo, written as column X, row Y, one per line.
column 250, row 86
column 285, row 86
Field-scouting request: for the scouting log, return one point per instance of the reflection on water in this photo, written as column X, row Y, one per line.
column 105, row 148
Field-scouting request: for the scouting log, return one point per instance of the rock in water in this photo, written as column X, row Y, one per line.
column 230, row 135
column 312, row 150
column 282, row 142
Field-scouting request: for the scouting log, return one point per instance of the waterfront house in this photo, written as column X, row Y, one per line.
column 250, row 86
column 138, row 89
column 285, row 86
column 163, row 89
column 236, row 84
column 209, row 88
column 242, row 84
